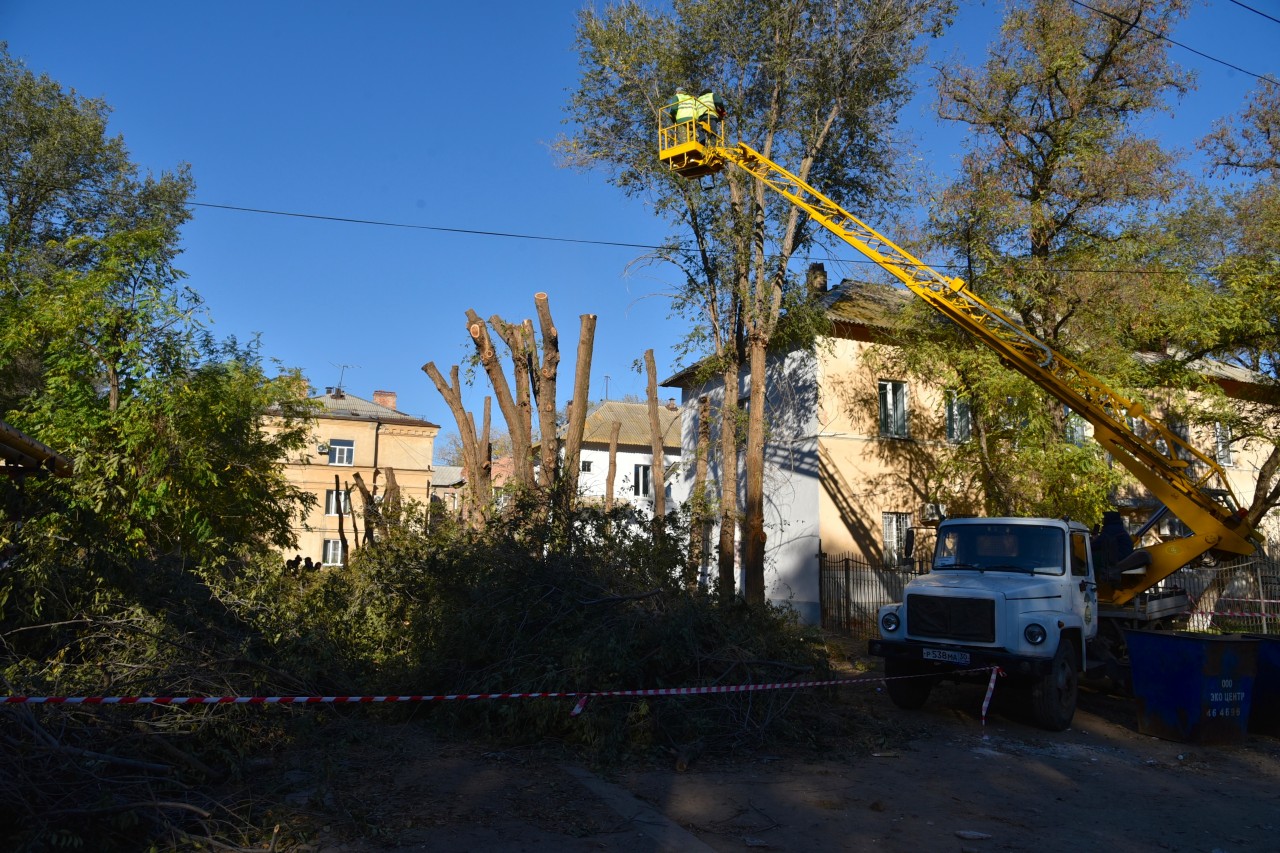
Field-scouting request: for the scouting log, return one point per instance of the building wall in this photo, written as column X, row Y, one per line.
column 866, row 474
column 406, row 448
column 592, row 483
column 791, row 495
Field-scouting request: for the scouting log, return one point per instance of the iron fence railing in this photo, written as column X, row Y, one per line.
column 1236, row 596
column 853, row 589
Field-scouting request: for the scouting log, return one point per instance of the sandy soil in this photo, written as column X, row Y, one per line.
column 880, row 779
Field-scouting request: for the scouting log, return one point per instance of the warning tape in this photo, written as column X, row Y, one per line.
column 582, row 697
column 991, row 689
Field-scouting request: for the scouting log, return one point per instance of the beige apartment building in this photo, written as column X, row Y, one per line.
column 355, row 439
column 858, row 452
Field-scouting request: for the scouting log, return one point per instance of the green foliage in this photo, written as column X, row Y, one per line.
column 448, row 609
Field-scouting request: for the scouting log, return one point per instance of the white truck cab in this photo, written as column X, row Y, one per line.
column 1018, row 593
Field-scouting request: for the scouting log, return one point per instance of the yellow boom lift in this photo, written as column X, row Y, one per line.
column 1190, row 484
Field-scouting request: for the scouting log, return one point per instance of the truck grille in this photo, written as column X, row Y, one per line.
column 968, row 619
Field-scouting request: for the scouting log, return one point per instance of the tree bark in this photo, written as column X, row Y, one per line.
column 658, row 467
column 727, row 553
column 373, row 519
column 614, row 430
column 546, row 391
column 519, row 340
column 754, row 533
column 475, row 450
column 522, row 470
column 581, row 399
column 699, row 520
column 342, row 535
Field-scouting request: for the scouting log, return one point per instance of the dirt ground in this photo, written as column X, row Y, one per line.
column 882, row 779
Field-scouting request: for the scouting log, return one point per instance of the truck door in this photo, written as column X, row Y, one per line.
column 1084, row 587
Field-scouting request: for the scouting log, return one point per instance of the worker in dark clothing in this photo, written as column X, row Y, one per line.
column 1111, row 544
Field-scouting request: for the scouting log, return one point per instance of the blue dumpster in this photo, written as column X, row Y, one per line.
column 1264, row 715
column 1192, row 687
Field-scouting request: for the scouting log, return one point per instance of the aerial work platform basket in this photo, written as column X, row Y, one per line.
column 689, row 147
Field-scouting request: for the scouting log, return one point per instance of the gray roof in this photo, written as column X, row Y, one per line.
column 634, row 418
column 874, row 306
column 447, row 475
column 340, row 404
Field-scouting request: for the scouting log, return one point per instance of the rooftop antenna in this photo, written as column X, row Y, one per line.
column 342, row 370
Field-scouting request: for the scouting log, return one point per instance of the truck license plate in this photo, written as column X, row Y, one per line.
column 949, row 657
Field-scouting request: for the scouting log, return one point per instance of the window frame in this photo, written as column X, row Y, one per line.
column 959, row 417
column 331, row 545
column 1222, row 446
column 901, row 523
column 336, row 454
column 895, row 409
column 642, row 481
column 330, row 501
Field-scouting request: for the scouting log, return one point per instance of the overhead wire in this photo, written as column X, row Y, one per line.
column 1163, row 37
column 579, row 240
column 1256, row 11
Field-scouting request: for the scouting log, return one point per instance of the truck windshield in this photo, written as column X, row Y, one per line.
column 997, row 547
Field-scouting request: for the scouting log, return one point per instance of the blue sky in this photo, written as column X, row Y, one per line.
column 433, row 114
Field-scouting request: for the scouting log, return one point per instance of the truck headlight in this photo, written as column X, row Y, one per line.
column 890, row 622
column 1035, row 633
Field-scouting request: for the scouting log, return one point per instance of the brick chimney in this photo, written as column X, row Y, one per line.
column 816, row 280
column 671, row 405
column 385, row 398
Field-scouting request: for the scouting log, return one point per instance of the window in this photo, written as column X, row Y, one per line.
column 1079, row 563
column 893, row 408
column 896, row 525
column 586, row 465
column 342, row 451
column 1075, row 427
column 333, row 552
column 959, row 418
column 335, row 499
column 641, row 485
column 1222, row 443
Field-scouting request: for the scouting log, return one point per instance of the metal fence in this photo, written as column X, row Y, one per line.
column 1240, row 596
column 853, row 589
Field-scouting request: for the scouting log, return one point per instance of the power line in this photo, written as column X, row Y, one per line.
column 519, row 236
column 382, row 223
column 1199, row 53
column 1255, row 11
column 386, row 224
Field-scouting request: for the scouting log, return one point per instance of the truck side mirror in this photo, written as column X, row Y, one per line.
column 909, row 545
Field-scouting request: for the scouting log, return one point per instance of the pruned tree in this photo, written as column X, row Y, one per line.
column 535, row 379
column 515, row 408
column 581, row 401
column 545, row 391
column 810, row 84
column 658, row 454
column 476, row 448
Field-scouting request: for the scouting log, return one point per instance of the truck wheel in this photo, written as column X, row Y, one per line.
column 907, row 693
column 1053, row 696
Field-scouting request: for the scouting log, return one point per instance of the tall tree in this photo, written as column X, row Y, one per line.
column 1231, row 246
column 163, row 421
column 813, row 85
column 1055, row 180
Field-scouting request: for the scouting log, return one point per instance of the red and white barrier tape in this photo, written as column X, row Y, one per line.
column 578, row 707
column 991, row 689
